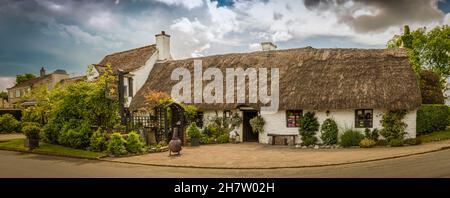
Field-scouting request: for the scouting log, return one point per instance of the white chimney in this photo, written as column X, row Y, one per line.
column 163, row 46
column 267, row 46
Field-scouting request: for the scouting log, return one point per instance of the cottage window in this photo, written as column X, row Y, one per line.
column 130, row 87
column 364, row 118
column 227, row 114
column 125, row 92
column 199, row 119
column 293, row 117
column 17, row 93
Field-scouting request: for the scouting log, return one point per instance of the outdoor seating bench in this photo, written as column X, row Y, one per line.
column 280, row 135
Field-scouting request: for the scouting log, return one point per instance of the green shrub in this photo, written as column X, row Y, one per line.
column 412, row 141
column 210, row 130
column 308, row 128
column 382, row 143
column 98, row 141
column 9, row 124
column 351, row 138
column 205, row 139
column 393, row 125
column 367, row 143
column 51, row 132
column 77, row 136
column 329, row 132
column 309, row 141
column 135, row 143
column 32, row 130
column 223, row 138
column 193, row 131
column 372, row 135
column 432, row 118
column 117, row 145
column 396, row 142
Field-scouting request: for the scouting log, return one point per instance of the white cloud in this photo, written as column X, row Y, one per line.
column 6, row 82
column 189, row 4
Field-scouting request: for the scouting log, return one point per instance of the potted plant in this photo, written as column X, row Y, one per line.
column 194, row 134
column 257, row 124
column 32, row 131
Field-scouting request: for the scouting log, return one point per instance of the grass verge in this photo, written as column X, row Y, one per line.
column 51, row 149
column 435, row 136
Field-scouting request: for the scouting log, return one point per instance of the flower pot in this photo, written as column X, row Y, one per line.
column 32, row 143
column 195, row 141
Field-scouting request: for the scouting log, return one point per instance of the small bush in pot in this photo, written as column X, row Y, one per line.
column 32, row 131
column 351, row 138
column 329, row 131
column 135, row 143
column 367, row 143
column 117, row 145
column 194, row 134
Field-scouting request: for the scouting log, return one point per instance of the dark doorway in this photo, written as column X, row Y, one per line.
column 248, row 134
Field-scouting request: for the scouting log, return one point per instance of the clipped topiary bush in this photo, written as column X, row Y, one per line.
column 367, row 143
column 329, row 132
column 9, row 124
column 351, row 138
column 117, row 145
column 135, row 143
column 308, row 128
column 98, row 141
column 193, row 131
column 432, row 118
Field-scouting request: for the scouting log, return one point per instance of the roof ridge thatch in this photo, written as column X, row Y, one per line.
column 130, row 50
column 331, row 78
column 398, row 52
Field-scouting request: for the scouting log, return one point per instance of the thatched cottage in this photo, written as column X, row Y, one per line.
column 355, row 87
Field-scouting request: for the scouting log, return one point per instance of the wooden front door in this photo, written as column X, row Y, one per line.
column 248, row 134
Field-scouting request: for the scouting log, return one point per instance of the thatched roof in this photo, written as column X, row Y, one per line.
column 127, row 60
column 313, row 78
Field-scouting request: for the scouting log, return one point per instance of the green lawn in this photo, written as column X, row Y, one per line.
column 17, row 144
column 435, row 136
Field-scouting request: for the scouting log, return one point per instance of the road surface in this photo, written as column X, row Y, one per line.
column 14, row 164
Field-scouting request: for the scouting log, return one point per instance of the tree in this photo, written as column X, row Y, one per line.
column 24, row 77
column 430, row 88
column 426, row 50
column 3, row 96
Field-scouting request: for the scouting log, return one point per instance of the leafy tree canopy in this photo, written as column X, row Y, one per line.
column 426, row 49
column 24, row 77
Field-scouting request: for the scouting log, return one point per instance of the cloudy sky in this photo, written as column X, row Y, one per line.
column 72, row 34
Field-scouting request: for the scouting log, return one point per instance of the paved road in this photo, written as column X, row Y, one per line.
column 13, row 164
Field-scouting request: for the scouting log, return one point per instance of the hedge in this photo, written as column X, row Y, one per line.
column 432, row 117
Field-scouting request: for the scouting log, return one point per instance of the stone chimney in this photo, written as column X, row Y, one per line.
column 42, row 72
column 163, row 46
column 267, row 46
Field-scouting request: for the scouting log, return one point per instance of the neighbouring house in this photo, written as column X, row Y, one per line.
column 4, row 104
column 355, row 87
column 18, row 91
